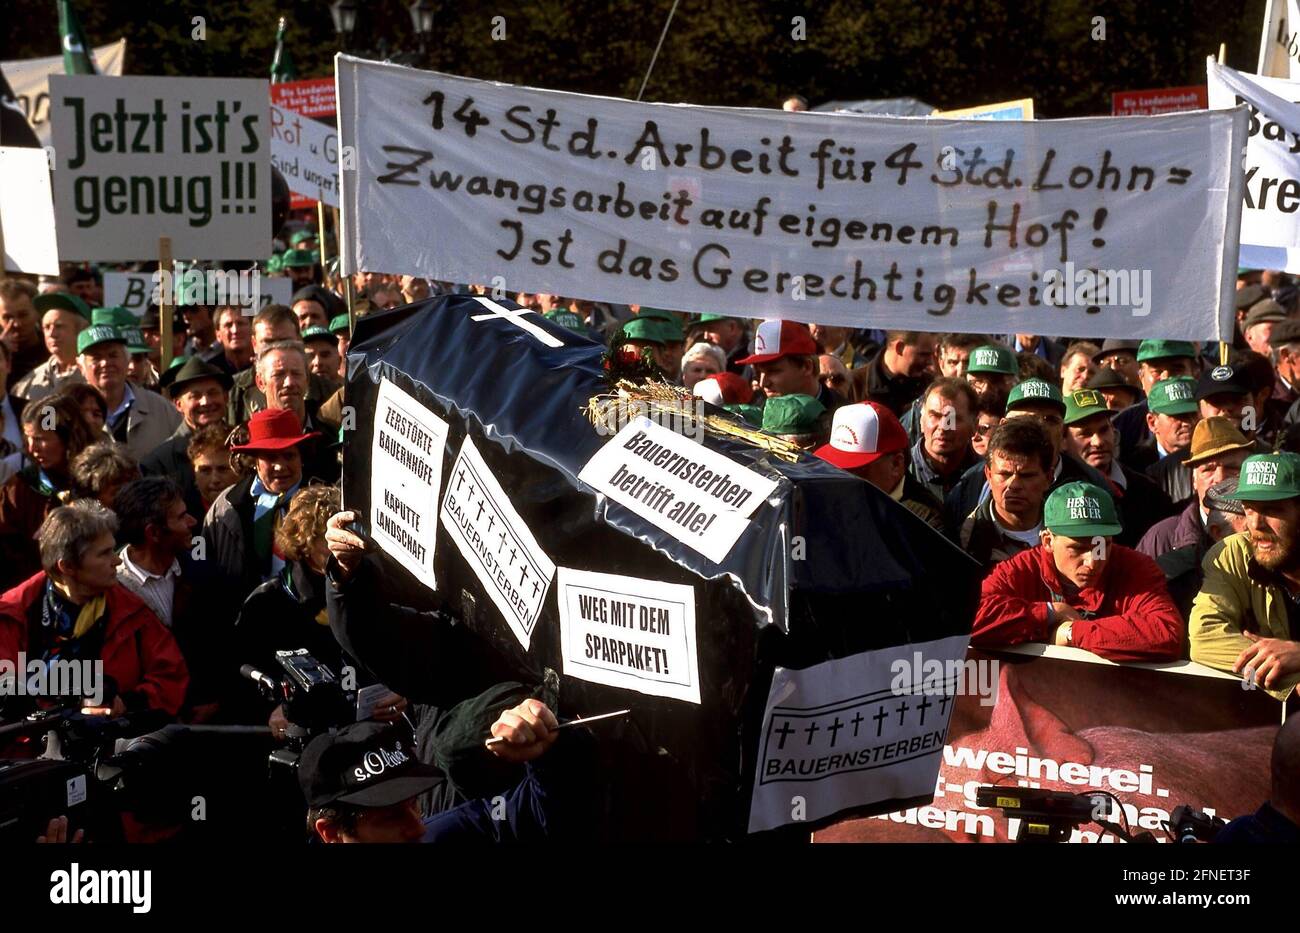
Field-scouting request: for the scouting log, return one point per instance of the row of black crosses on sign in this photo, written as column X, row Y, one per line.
column 502, row 535
column 834, row 728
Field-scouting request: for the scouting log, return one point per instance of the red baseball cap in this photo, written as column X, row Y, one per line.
column 861, row 434
column 274, row 429
column 724, row 389
column 776, row 339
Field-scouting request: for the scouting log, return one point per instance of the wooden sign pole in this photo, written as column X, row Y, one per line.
column 165, row 306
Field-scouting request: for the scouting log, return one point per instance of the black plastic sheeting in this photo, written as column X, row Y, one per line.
column 829, row 566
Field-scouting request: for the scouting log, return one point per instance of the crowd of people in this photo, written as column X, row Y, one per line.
column 1135, row 499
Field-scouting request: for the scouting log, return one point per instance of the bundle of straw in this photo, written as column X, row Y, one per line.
column 664, row 404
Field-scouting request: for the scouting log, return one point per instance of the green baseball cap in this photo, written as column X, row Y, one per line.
column 1035, row 390
column 296, row 259
column 116, row 316
column 1081, row 510
column 792, row 414
column 710, row 318
column 1084, row 403
column 319, row 333
column 63, row 301
column 1176, row 396
column 565, row 318
column 96, row 334
column 1267, row 477
column 339, row 324
column 300, row 236
column 1164, row 349
column 992, row 358
column 134, row 340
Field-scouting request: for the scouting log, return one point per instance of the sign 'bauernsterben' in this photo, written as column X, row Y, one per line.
column 140, row 158
column 858, row 221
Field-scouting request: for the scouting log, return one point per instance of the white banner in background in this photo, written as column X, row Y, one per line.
column 1279, row 43
column 307, row 154
column 27, row 212
column 30, row 80
column 134, row 290
column 1270, row 213
column 866, row 221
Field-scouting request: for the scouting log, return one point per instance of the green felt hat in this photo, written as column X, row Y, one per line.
column 63, row 301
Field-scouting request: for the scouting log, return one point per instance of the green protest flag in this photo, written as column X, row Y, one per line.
column 76, row 58
column 282, row 68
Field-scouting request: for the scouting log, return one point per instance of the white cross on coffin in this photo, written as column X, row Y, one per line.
column 516, row 318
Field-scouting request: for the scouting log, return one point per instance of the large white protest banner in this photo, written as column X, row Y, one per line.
column 27, row 212
column 1279, row 42
column 1270, row 215
column 854, row 732
column 629, row 632
column 496, row 543
column 697, row 495
column 405, row 478
column 931, row 224
column 307, row 154
column 142, row 158
column 30, row 80
column 135, row 290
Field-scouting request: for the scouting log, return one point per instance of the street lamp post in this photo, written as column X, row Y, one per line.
column 344, row 14
column 422, row 23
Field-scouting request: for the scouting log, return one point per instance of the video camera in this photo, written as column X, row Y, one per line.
column 1052, row 816
column 84, row 772
column 312, row 697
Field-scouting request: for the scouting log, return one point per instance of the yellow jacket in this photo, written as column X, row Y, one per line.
column 1236, row 597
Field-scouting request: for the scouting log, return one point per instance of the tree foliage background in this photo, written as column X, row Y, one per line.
column 950, row 53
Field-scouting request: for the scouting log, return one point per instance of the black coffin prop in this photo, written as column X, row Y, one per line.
column 828, row 567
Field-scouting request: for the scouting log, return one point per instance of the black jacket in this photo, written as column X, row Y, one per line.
column 1131, row 424
column 170, row 459
column 1171, row 474
column 893, row 391
column 1143, row 503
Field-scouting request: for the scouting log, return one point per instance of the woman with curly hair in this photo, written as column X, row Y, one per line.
column 54, row 433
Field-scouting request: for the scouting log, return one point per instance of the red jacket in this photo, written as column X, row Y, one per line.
column 1132, row 616
column 139, row 652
